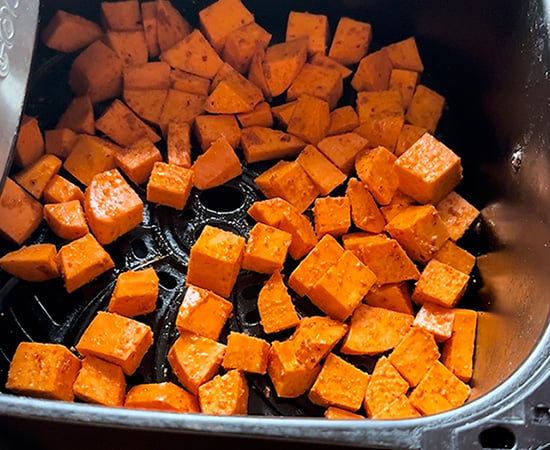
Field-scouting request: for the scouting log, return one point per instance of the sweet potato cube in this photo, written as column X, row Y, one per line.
column 172, row 110
column 112, row 207
column 97, row 73
column 419, row 230
column 241, row 44
column 188, row 82
column 342, row 120
column 256, row 72
column 202, row 312
column 320, row 59
column 170, row 185
column 414, row 355
column 408, row 135
column 137, row 160
column 400, row 408
column 217, row 165
column 317, row 81
column 404, row 55
column 195, row 359
column 37, row 262
column 457, row 214
column 270, row 211
column 171, row 25
column 116, row 339
column 375, row 168
column 135, row 293
column 130, row 46
column 404, row 82
column 375, row 330
column 59, row 142
column 66, row 219
column 310, row 119
column 266, row 249
column 385, row 385
column 147, row 104
column 275, row 306
column 303, row 235
column 335, row 413
column 215, row 260
column 383, row 131
column 29, row 145
column 288, row 180
column 43, row 371
column 313, row 26
column 193, row 54
column 438, row 391
column 394, row 296
column 283, row 112
column 234, row 94
column 122, row 15
column 441, row 284
column 260, row 143
column 373, row 72
column 364, row 211
column 210, row 128
column 457, row 257
column 290, row 378
column 376, row 104
column 121, row 125
column 161, row 397
column 67, row 33
column 260, row 116
column 79, row 116
column 398, row 203
column 36, row 177
column 100, row 382
column 340, row 290
column 178, row 144
column 149, row 19
column 225, row 394
column 331, row 216
column 324, row 255
column 351, row 41
column 246, row 353
column 436, row 319
column 458, row 351
column 425, row 108
column 315, row 337
column 282, row 64
column 342, row 149
column 339, row 384
column 324, row 174
column 20, row 213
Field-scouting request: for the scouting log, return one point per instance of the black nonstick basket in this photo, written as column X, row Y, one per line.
column 491, row 61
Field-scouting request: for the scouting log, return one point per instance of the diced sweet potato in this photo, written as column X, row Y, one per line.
column 36, row 177
column 425, row 108
column 29, row 145
column 310, row 119
column 270, row 211
column 377, row 104
column 171, row 25
column 150, row 27
column 112, row 207
column 382, row 131
column 331, row 216
column 283, row 112
column 398, row 203
column 458, row 350
column 457, row 257
column 260, row 143
column 400, row 408
column 394, row 296
column 137, row 160
column 266, row 249
column 241, row 44
column 457, row 214
column 260, row 116
column 67, row 33
column 313, row 26
column 161, row 397
column 170, row 185
column 233, row 94
column 375, row 167
column 172, row 110
column 373, row 72
column 100, row 382
column 135, row 293
column 320, row 59
column 339, row 384
column 324, row 174
column 36, row 262
column 375, row 330
column 404, row 82
column 43, row 371
column 275, row 306
column 364, row 210
column 342, row 149
column 246, row 353
column 343, row 120
column 215, row 260
column 351, row 41
column 317, row 81
column 404, row 55
column 79, row 116
column 303, row 235
column 335, row 413
column 66, row 219
column 178, row 144
column 225, row 394
column 195, row 359
column 130, row 46
column 256, row 72
column 122, row 15
column 59, row 142
column 436, row 319
column 188, row 82
column 147, row 104
column 408, row 135
column 209, row 128
column 20, row 213
column 116, row 339
column 217, row 165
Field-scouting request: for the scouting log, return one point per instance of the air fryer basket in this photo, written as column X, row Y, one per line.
column 491, row 61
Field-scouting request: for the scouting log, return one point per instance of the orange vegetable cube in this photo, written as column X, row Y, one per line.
column 210, row 128
column 43, row 371
column 385, row 385
column 202, row 312
column 260, row 116
column 398, row 203
column 425, row 108
column 266, row 249
column 438, row 391
column 400, row 408
column 394, row 296
column 20, row 213
column 414, row 355
column 241, row 44
column 79, row 116
column 364, row 211
column 419, row 230
column 404, row 55
column 339, row 384
column 317, row 81
column 123, row 15
column 375, row 330
column 340, row 290
column 321, row 60
column 457, row 214
column 351, row 41
column 35, row 177
column 283, row 112
column 173, row 112
column 378, row 104
column 404, row 82
column 270, row 211
column 170, row 185
column 100, row 382
column 188, row 82
column 178, row 144
column 150, row 27
column 66, row 219
column 314, row 26
column 146, row 103
column 375, row 167
column 441, row 284
column 310, row 119
column 81, row 261
column 324, row 255
column 436, row 319
column 260, row 143
column 216, row 166
column 275, row 306
column 171, row 25
column 373, row 72
column 408, row 135
column 215, row 260
column 29, row 145
column 332, row 215
column 225, row 394
column 342, row 149
column 246, row 353
column 130, row 46
column 135, row 293
column 343, row 120
column 116, row 339
column 324, row 174
column 303, row 235
column 457, row 257
column 335, row 413
column 151, row 75
column 161, row 397
column 59, row 142
column 195, row 359
column 382, row 131
column 233, row 94
column 458, row 351
column 36, row 262
column 137, row 160
column 67, row 33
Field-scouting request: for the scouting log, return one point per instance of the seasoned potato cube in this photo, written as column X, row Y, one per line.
column 351, row 41
column 314, row 26
column 135, row 293
column 161, row 397
column 100, row 382
column 266, row 249
column 246, row 353
column 225, row 394
column 275, row 306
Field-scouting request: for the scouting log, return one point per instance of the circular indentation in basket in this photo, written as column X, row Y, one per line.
column 224, row 198
column 139, row 248
column 167, row 280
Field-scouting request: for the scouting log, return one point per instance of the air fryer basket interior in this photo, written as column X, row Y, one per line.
column 490, row 60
